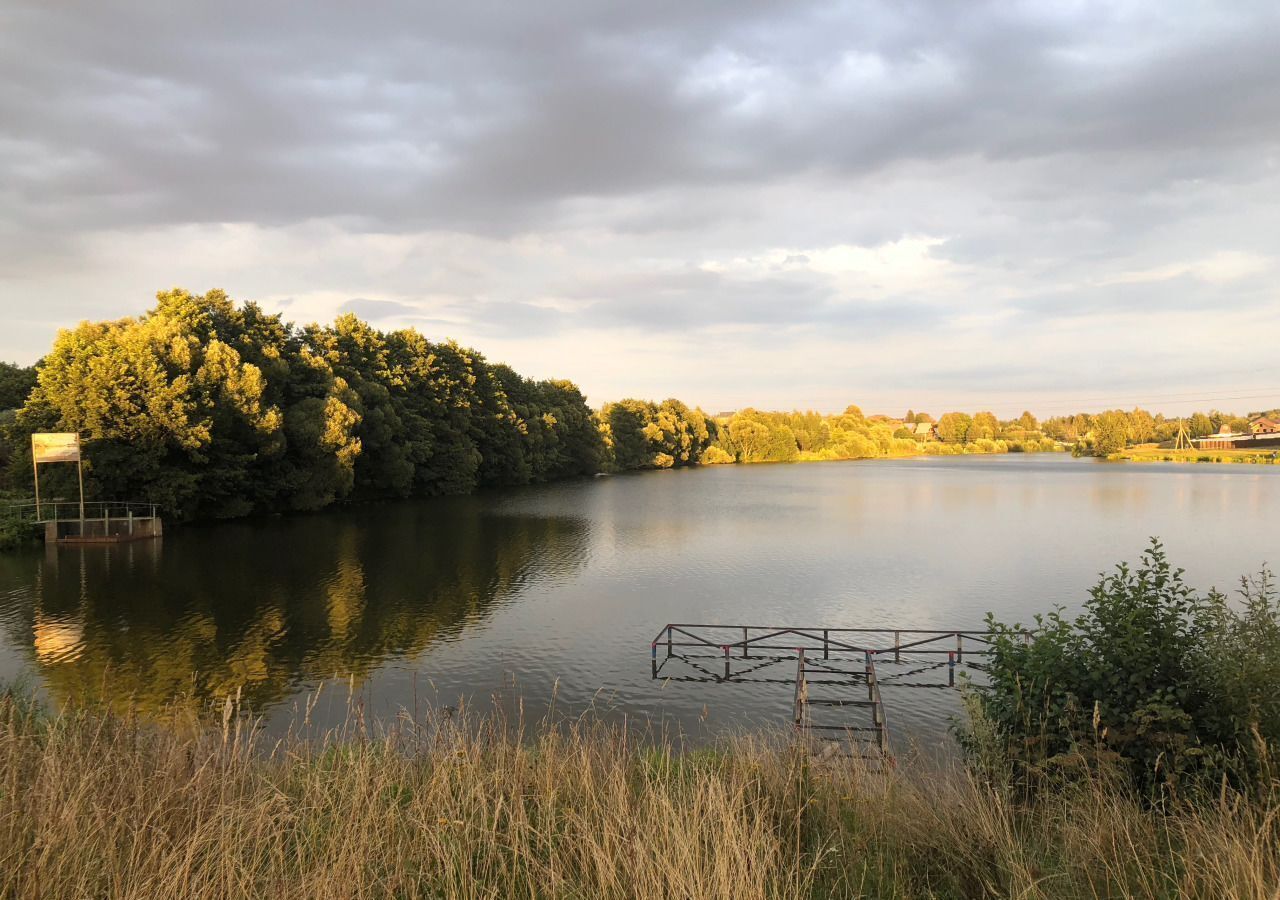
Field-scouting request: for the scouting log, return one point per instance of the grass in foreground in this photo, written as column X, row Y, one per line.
column 96, row 805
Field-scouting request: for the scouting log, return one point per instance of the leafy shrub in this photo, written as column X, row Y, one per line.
column 1172, row 686
column 714, row 456
column 13, row 531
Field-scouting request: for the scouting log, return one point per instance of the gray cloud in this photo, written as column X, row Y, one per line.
column 640, row 150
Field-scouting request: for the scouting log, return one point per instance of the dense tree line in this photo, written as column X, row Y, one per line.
column 1111, row 431
column 752, row 435
column 215, row 410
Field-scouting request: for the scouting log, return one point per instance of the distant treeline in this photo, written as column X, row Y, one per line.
column 754, row 436
column 1109, row 432
column 213, row 409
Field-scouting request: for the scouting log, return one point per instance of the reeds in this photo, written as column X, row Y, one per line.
column 100, row 805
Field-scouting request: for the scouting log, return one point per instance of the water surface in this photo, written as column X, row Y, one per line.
column 560, row 588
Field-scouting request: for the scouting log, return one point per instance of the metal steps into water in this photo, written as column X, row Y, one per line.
column 862, row 733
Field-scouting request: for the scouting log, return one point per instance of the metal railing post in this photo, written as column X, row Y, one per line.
column 897, row 645
column 797, row 704
column 951, row 669
column 726, row 662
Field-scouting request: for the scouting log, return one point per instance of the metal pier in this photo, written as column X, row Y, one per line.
column 92, row 522
column 836, row 673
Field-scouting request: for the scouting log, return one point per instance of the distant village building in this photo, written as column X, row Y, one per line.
column 1263, row 433
column 926, row 430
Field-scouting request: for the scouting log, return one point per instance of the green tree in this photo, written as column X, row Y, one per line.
column 953, row 427
column 16, row 383
column 1110, row 432
column 985, row 425
column 214, row 409
column 1200, row 425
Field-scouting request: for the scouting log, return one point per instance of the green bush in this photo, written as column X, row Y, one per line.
column 1174, row 687
column 13, row 532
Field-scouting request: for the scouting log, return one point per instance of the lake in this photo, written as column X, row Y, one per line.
column 559, row 589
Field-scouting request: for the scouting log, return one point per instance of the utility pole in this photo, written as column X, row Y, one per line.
column 1183, row 441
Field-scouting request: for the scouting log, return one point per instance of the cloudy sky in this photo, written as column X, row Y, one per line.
column 780, row 204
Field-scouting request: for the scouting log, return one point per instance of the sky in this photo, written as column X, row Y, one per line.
column 950, row 205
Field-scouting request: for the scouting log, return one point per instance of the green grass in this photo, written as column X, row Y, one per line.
column 1157, row 454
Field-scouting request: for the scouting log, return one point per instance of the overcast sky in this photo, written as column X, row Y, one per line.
column 784, row 204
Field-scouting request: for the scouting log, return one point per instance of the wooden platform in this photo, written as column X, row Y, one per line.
column 104, row 530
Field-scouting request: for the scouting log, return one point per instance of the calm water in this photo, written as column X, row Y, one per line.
column 509, row 594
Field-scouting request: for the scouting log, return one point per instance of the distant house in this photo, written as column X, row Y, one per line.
column 1263, row 433
column 926, row 430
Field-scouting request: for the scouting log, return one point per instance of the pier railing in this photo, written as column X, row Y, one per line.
column 60, row 510
column 739, row 652
column 843, row 661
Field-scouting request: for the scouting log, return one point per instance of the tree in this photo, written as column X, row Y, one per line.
column 1110, row 432
column 211, row 409
column 1200, row 425
column 985, row 425
column 16, row 383
column 1142, row 426
column 953, row 427
column 754, row 436
column 1027, row 422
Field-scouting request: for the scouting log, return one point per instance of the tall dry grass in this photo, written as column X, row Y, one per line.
column 101, row 805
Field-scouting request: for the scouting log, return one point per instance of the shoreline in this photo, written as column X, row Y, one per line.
column 1224, row 457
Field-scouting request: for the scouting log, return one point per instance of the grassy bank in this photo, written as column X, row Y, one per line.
column 1158, row 454
column 107, row 806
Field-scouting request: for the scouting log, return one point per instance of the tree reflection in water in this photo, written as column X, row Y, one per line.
column 269, row 606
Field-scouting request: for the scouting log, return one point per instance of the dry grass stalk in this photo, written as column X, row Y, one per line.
column 96, row 805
